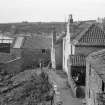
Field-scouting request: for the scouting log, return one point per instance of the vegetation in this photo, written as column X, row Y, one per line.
column 32, row 27
column 29, row 91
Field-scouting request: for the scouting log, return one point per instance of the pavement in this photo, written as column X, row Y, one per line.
column 63, row 92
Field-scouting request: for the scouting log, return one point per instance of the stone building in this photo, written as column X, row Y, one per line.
column 36, row 49
column 81, row 39
column 95, row 78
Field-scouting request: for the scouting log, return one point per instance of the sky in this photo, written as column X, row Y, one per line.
column 50, row 10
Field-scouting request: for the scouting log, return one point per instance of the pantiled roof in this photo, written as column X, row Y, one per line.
column 93, row 36
column 76, row 29
column 37, row 42
column 77, row 60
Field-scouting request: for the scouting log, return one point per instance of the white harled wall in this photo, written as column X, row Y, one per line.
column 66, row 49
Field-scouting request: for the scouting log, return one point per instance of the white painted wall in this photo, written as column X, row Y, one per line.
column 66, row 49
column 73, row 49
column 53, row 55
column 53, row 58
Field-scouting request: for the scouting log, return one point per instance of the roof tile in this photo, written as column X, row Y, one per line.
column 93, row 36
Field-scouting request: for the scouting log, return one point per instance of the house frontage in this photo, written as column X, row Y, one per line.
column 82, row 38
column 95, row 78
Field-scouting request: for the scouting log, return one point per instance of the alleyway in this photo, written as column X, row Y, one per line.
column 66, row 94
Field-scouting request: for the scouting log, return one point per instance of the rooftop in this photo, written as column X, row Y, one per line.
column 94, row 35
column 78, row 27
column 37, row 42
column 88, row 33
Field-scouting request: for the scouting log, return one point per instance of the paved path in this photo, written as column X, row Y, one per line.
column 66, row 94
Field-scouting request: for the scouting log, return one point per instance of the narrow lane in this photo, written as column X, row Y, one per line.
column 63, row 91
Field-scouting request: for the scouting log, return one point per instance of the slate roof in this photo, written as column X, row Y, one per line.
column 77, row 60
column 37, row 42
column 97, row 61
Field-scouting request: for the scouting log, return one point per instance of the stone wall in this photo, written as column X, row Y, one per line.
column 32, row 57
column 59, row 56
column 93, row 84
column 70, row 81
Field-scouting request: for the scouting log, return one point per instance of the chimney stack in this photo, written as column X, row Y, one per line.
column 70, row 23
column 70, row 19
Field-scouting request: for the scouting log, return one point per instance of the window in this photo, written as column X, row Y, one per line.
column 90, row 69
column 89, row 93
column 43, row 51
column 103, row 85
